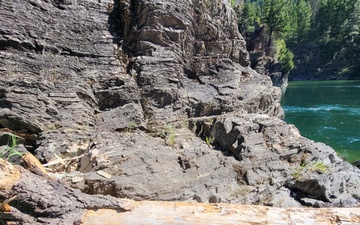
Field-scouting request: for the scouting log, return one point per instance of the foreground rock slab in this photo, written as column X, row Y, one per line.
column 148, row 212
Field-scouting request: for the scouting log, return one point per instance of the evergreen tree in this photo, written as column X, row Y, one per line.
column 334, row 25
column 250, row 15
column 275, row 16
column 303, row 20
column 333, row 18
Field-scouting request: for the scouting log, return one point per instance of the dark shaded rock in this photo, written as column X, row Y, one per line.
column 312, row 63
column 262, row 56
column 357, row 164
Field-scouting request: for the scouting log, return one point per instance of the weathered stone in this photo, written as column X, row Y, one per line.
column 262, row 56
column 158, row 96
column 40, row 200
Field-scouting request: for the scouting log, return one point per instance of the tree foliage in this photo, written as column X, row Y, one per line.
column 332, row 24
column 275, row 16
column 284, row 55
column 250, row 15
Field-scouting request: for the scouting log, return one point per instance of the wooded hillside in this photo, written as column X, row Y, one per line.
column 327, row 29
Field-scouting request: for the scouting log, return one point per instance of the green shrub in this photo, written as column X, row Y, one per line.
column 168, row 133
column 284, row 55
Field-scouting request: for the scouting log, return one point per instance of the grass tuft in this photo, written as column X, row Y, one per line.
column 9, row 150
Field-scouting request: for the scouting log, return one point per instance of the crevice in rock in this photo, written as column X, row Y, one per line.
column 202, row 127
column 192, row 75
column 15, row 44
column 130, row 68
column 205, row 128
column 27, row 133
column 104, row 187
column 133, row 6
column 40, row 48
column 307, row 189
column 240, row 148
column 184, row 163
column 3, row 102
column 87, row 99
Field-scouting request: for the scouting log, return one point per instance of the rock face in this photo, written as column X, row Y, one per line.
column 156, row 100
column 38, row 199
column 262, row 56
column 312, row 63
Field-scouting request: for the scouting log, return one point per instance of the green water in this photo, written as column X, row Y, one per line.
column 326, row 111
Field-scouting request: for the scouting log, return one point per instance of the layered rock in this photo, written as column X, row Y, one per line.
column 262, row 56
column 40, row 199
column 156, row 100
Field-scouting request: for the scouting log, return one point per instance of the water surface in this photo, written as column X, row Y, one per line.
column 326, row 111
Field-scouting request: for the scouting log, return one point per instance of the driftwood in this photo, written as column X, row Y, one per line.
column 30, row 198
column 148, row 212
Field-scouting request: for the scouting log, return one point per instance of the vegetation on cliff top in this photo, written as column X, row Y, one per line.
column 332, row 25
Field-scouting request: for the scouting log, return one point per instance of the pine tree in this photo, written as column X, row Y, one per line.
column 303, row 20
column 275, row 16
column 250, row 15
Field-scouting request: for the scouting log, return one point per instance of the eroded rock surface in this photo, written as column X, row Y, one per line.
column 40, row 199
column 156, row 100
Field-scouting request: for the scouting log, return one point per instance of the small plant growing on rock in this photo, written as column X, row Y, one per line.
column 319, row 167
column 297, row 174
column 171, row 139
column 9, row 150
column 312, row 167
column 167, row 133
column 209, row 140
column 132, row 125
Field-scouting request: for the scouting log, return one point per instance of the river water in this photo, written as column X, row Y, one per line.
column 326, row 111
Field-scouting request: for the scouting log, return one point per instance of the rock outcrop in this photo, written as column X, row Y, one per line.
column 262, row 56
column 313, row 62
column 156, row 100
column 42, row 200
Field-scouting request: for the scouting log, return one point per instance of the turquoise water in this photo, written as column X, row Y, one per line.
column 326, row 111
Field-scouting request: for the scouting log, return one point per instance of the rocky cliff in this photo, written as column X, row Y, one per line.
column 314, row 62
column 156, row 100
column 262, row 56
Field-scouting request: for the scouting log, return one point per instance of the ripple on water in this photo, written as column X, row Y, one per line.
column 328, row 128
column 328, row 112
column 353, row 139
column 326, row 108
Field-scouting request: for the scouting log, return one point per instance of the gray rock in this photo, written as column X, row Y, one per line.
column 262, row 56
column 157, row 101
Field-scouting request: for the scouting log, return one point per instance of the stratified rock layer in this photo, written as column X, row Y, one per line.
column 156, row 101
